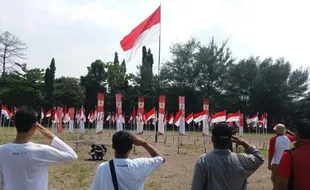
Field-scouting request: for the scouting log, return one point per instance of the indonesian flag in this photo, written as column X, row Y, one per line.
column 42, row 114
column 189, row 118
column 219, row 117
column 154, row 120
column 198, row 117
column 262, row 120
column 54, row 116
column 150, row 115
column 171, row 118
column 177, row 118
column 233, row 117
column 5, row 111
column 252, row 119
column 48, row 113
column 265, row 121
column 108, row 117
column 145, row 33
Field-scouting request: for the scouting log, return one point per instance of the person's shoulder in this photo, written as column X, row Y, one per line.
column 103, row 166
column 144, row 160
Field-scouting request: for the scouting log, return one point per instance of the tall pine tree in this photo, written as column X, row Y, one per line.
column 49, row 80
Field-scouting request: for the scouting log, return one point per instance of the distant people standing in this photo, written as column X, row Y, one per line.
column 277, row 145
column 294, row 167
column 23, row 164
column 129, row 174
column 222, row 169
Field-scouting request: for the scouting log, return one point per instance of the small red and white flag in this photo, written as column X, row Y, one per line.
column 42, row 114
column 233, row 117
column 145, row 33
column 48, row 113
column 171, row 118
column 177, row 118
column 5, row 111
column 150, row 115
column 189, row 118
column 198, row 117
column 252, row 119
column 219, row 117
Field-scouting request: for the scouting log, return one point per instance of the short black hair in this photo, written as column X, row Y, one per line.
column 303, row 128
column 24, row 119
column 222, row 134
column 122, row 141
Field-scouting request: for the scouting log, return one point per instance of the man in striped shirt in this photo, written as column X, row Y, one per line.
column 223, row 169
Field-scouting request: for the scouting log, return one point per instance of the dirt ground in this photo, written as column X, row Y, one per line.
column 176, row 173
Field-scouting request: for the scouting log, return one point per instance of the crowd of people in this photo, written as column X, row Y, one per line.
column 24, row 164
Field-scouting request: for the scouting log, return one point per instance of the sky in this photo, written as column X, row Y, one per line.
column 77, row 32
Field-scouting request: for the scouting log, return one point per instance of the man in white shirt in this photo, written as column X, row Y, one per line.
column 277, row 145
column 130, row 173
column 23, row 164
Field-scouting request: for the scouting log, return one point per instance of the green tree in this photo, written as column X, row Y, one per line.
column 49, row 84
column 68, row 92
column 93, row 82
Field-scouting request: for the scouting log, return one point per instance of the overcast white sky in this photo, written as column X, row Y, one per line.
column 76, row 32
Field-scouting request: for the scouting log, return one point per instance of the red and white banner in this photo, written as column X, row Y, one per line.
column 219, row 117
column 145, row 33
column 182, row 118
column 119, row 113
column 205, row 118
column 241, row 123
column 59, row 116
column 48, row 113
column 71, row 114
column 100, row 113
column 205, row 105
column 54, row 116
column 161, row 114
column 140, row 115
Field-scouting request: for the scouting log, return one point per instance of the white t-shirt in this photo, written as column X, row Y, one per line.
column 282, row 144
column 25, row 166
column 130, row 173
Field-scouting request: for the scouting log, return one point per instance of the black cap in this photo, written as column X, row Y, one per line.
column 222, row 132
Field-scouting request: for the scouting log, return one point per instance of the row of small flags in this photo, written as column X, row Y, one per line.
column 151, row 115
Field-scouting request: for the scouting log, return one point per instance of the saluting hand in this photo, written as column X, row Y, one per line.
column 47, row 134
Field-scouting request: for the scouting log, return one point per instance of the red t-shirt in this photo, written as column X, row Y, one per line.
column 272, row 143
column 301, row 165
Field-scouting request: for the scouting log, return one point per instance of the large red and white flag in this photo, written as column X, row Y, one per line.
column 219, row 117
column 145, row 33
column 100, row 113
column 161, row 114
column 233, row 117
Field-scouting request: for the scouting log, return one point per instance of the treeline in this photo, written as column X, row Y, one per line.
column 195, row 70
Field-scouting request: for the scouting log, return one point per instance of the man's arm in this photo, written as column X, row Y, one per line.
column 199, row 177
column 59, row 152
column 252, row 159
column 283, row 172
column 148, row 147
column 271, row 150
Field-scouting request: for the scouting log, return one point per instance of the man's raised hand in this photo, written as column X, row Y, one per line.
column 138, row 141
column 47, row 134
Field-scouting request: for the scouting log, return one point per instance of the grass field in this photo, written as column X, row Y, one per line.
column 176, row 173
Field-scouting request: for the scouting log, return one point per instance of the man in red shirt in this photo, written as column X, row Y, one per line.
column 277, row 145
column 294, row 167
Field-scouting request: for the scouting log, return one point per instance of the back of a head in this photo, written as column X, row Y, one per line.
column 222, row 134
column 122, row 142
column 303, row 129
column 24, row 119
